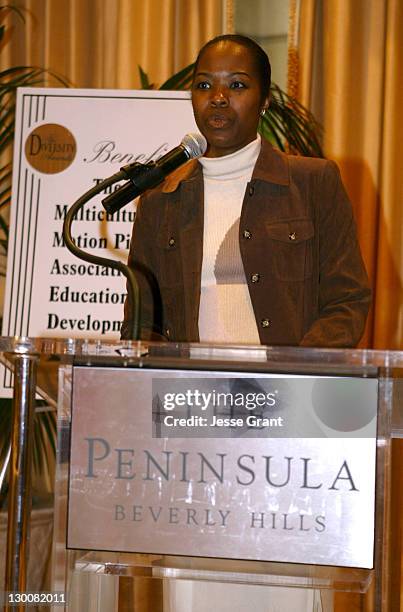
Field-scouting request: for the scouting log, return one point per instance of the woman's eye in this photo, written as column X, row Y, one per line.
column 203, row 85
column 237, row 85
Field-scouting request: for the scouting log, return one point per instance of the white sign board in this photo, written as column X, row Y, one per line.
column 67, row 140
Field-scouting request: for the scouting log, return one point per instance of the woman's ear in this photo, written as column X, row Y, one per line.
column 266, row 102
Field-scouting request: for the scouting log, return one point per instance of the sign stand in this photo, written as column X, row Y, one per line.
column 19, row 504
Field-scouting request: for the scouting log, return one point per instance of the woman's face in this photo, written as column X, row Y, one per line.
column 227, row 97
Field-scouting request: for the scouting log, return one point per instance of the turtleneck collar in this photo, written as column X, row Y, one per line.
column 272, row 166
column 234, row 165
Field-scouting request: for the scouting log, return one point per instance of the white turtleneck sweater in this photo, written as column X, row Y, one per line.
column 226, row 313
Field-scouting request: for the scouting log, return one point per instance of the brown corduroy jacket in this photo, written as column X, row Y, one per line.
column 299, row 249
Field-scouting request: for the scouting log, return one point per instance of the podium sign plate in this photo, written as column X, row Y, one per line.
column 292, row 479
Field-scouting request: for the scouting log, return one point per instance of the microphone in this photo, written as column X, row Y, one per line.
column 146, row 176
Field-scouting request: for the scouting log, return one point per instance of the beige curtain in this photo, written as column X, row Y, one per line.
column 350, row 55
column 100, row 43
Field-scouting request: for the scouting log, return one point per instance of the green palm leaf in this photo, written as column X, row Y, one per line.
column 145, row 83
column 180, row 80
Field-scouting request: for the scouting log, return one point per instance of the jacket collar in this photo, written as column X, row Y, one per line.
column 271, row 166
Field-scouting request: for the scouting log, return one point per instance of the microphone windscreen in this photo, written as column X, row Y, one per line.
column 195, row 144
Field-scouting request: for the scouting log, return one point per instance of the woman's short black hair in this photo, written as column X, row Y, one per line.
column 260, row 56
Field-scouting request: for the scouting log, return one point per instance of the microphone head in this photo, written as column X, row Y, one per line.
column 195, row 144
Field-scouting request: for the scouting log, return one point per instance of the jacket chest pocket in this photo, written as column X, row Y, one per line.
column 290, row 245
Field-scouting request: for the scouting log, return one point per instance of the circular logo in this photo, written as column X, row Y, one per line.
column 50, row 148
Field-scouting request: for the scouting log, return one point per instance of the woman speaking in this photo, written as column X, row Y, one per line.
column 247, row 245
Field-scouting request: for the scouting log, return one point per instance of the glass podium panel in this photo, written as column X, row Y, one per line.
column 117, row 574
column 163, row 568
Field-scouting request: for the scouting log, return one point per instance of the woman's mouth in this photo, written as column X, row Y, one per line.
column 217, row 121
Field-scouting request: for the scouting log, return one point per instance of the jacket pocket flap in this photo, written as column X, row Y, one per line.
column 291, row 231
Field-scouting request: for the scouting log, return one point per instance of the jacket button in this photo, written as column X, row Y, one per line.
column 171, row 242
column 247, row 234
column 251, row 190
column 265, row 322
column 292, row 236
column 255, row 277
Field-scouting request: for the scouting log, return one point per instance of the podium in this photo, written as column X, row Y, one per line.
column 200, row 469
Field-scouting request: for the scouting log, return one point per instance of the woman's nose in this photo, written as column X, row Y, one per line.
column 218, row 98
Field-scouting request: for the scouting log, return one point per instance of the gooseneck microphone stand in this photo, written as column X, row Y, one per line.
column 132, row 285
column 140, row 177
